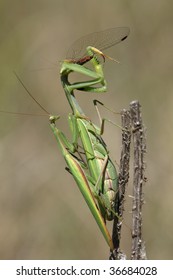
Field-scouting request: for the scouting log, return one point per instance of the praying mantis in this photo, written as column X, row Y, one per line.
column 95, row 175
column 86, row 155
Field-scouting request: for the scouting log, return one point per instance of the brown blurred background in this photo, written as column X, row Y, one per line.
column 42, row 213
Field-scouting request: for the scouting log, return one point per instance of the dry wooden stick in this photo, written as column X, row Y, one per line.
column 139, row 142
column 131, row 122
column 122, row 183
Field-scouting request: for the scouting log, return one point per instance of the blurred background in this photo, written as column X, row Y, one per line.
column 42, row 213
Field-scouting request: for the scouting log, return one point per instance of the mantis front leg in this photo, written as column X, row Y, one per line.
column 97, row 75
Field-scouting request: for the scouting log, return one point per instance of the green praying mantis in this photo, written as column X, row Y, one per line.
column 87, row 156
column 96, row 175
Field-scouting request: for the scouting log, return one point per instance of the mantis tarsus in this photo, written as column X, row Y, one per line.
column 96, row 174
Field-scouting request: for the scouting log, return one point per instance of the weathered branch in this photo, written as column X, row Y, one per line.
column 131, row 122
column 139, row 142
column 122, row 183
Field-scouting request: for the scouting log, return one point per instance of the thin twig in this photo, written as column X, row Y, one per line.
column 122, row 183
column 139, row 142
column 124, row 162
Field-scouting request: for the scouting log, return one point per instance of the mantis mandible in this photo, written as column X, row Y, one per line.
column 96, row 176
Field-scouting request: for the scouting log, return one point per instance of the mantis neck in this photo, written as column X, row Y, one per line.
column 76, row 109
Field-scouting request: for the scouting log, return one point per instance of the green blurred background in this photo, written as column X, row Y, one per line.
column 42, row 213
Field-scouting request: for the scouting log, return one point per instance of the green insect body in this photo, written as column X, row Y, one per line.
column 91, row 168
column 95, row 175
column 97, row 181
